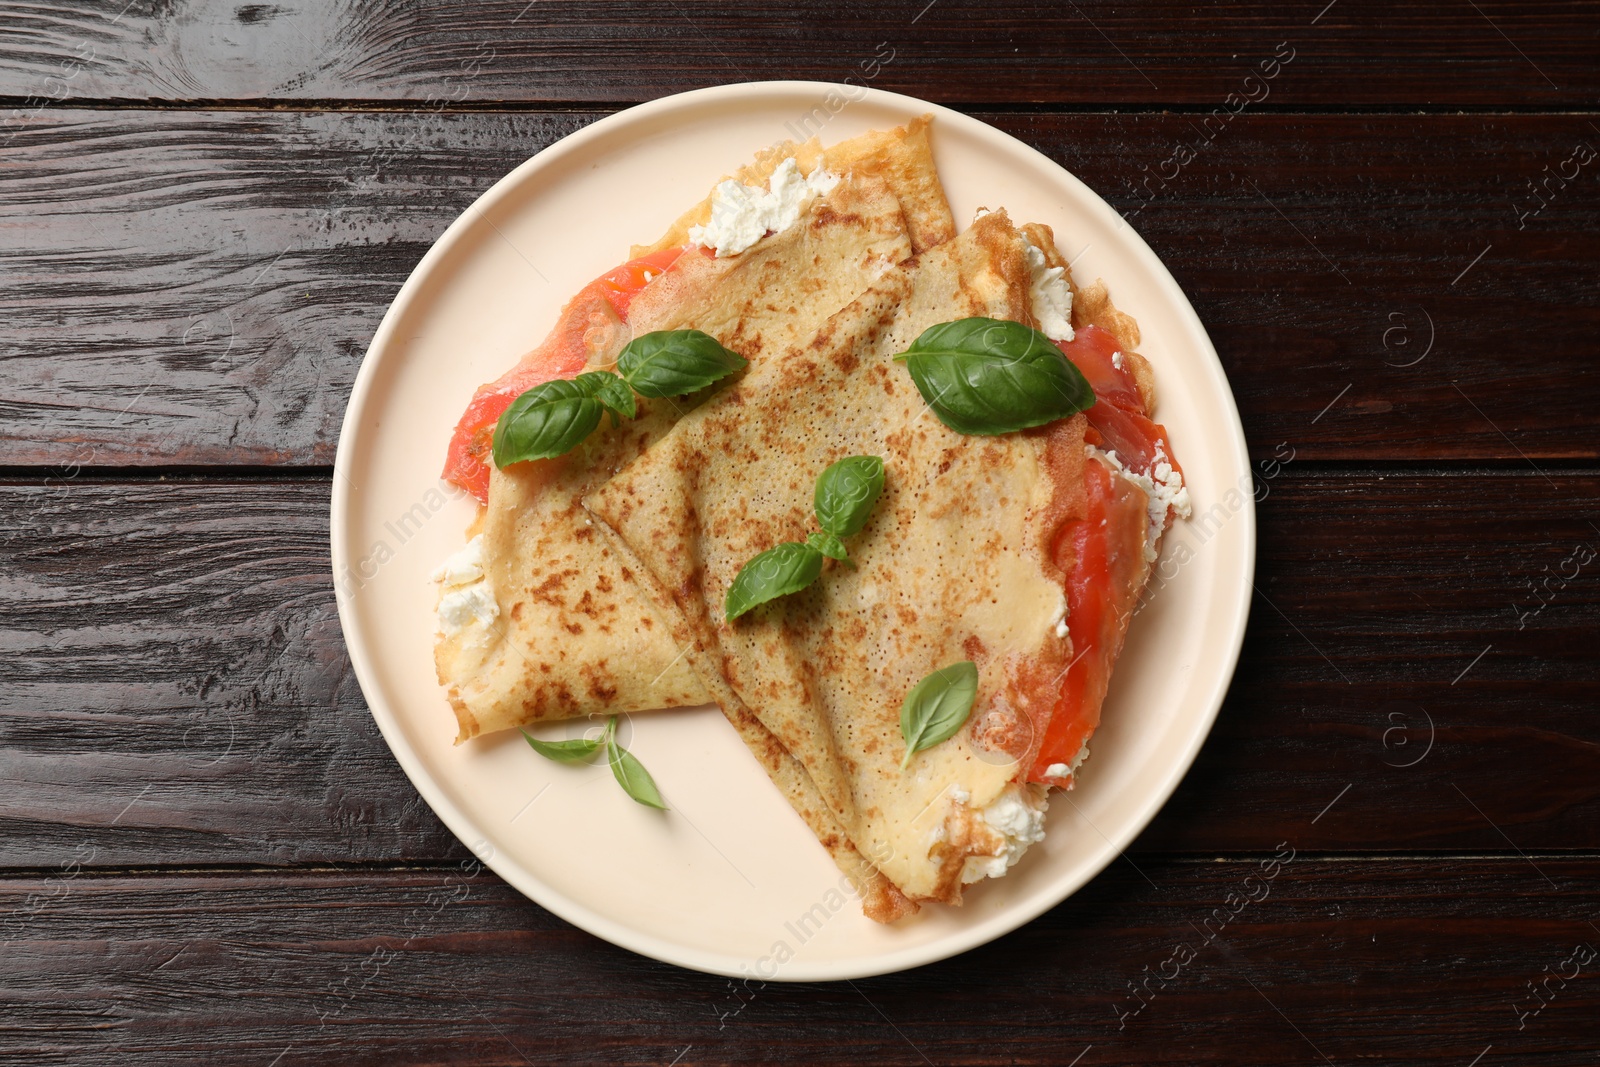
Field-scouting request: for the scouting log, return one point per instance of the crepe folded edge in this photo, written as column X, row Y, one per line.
column 883, row 901
column 902, row 157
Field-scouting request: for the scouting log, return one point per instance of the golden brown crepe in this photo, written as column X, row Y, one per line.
column 572, row 634
column 902, row 158
column 955, row 564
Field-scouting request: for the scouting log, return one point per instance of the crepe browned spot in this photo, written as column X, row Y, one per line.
column 956, row 563
column 573, row 634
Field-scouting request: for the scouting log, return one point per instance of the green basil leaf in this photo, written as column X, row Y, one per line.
column 846, row 492
column 675, row 362
column 610, row 390
column 780, row 570
column 936, row 708
column 634, row 779
column 988, row 376
column 548, row 420
column 829, row 545
column 580, row 748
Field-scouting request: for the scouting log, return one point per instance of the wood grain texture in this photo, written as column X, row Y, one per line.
column 1326, row 960
column 175, row 685
column 208, row 855
column 197, row 288
column 174, row 689
column 201, row 289
column 1359, row 52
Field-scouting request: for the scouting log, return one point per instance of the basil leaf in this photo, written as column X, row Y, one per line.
column 846, row 492
column 675, row 362
column 610, row 390
column 548, row 420
column 987, row 376
column 829, row 546
column 580, row 748
column 634, row 779
column 780, row 570
column 936, row 708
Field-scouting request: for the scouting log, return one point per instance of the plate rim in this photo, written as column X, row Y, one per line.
column 572, row 911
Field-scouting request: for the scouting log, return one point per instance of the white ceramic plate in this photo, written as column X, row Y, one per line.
column 730, row 881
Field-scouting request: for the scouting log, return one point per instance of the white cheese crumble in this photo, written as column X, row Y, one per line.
column 1116, row 360
column 741, row 215
column 1048, row 288
column 465, row 606
column 1163, row 488
column 467, row 599
column 463, row 567
column 1052, row 297
column 1066, row 770
column 1017, row 815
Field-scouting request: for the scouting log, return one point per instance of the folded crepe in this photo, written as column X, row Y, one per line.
column 967, row 556
column 540, row 618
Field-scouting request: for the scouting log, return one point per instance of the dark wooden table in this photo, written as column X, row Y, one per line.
column 207, row 853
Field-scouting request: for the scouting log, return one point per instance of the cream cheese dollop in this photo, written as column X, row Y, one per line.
column 467, row 599
column 463, row 567
column 741, row 214
column 1017, row 815
column 1049, row 292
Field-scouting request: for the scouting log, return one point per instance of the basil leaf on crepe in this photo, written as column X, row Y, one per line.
column 843, row 501
column 675, row 362
column 829, row 545
column 780, row 570
column 935, row 709
column 552, row 419
column 846, row 492
column 548, row 420
column 989, row 376
column 580, row 748
column 631, row 775
column 611, row 391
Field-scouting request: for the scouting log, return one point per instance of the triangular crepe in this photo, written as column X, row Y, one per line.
column 568, row 632
column 959, row 561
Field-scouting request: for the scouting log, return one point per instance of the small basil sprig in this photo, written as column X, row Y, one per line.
column 845, row 494
column 988, row 376
column 783, row 569
column 625, row 766
column 551, row 419
column 935, row 709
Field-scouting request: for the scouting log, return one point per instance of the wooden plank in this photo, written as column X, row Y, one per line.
column 1416, row 670
column 1286, row 958
column 176, row 687
column 173, row 687
column 200, row 289
column 197, row 288
column 1356, row 52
